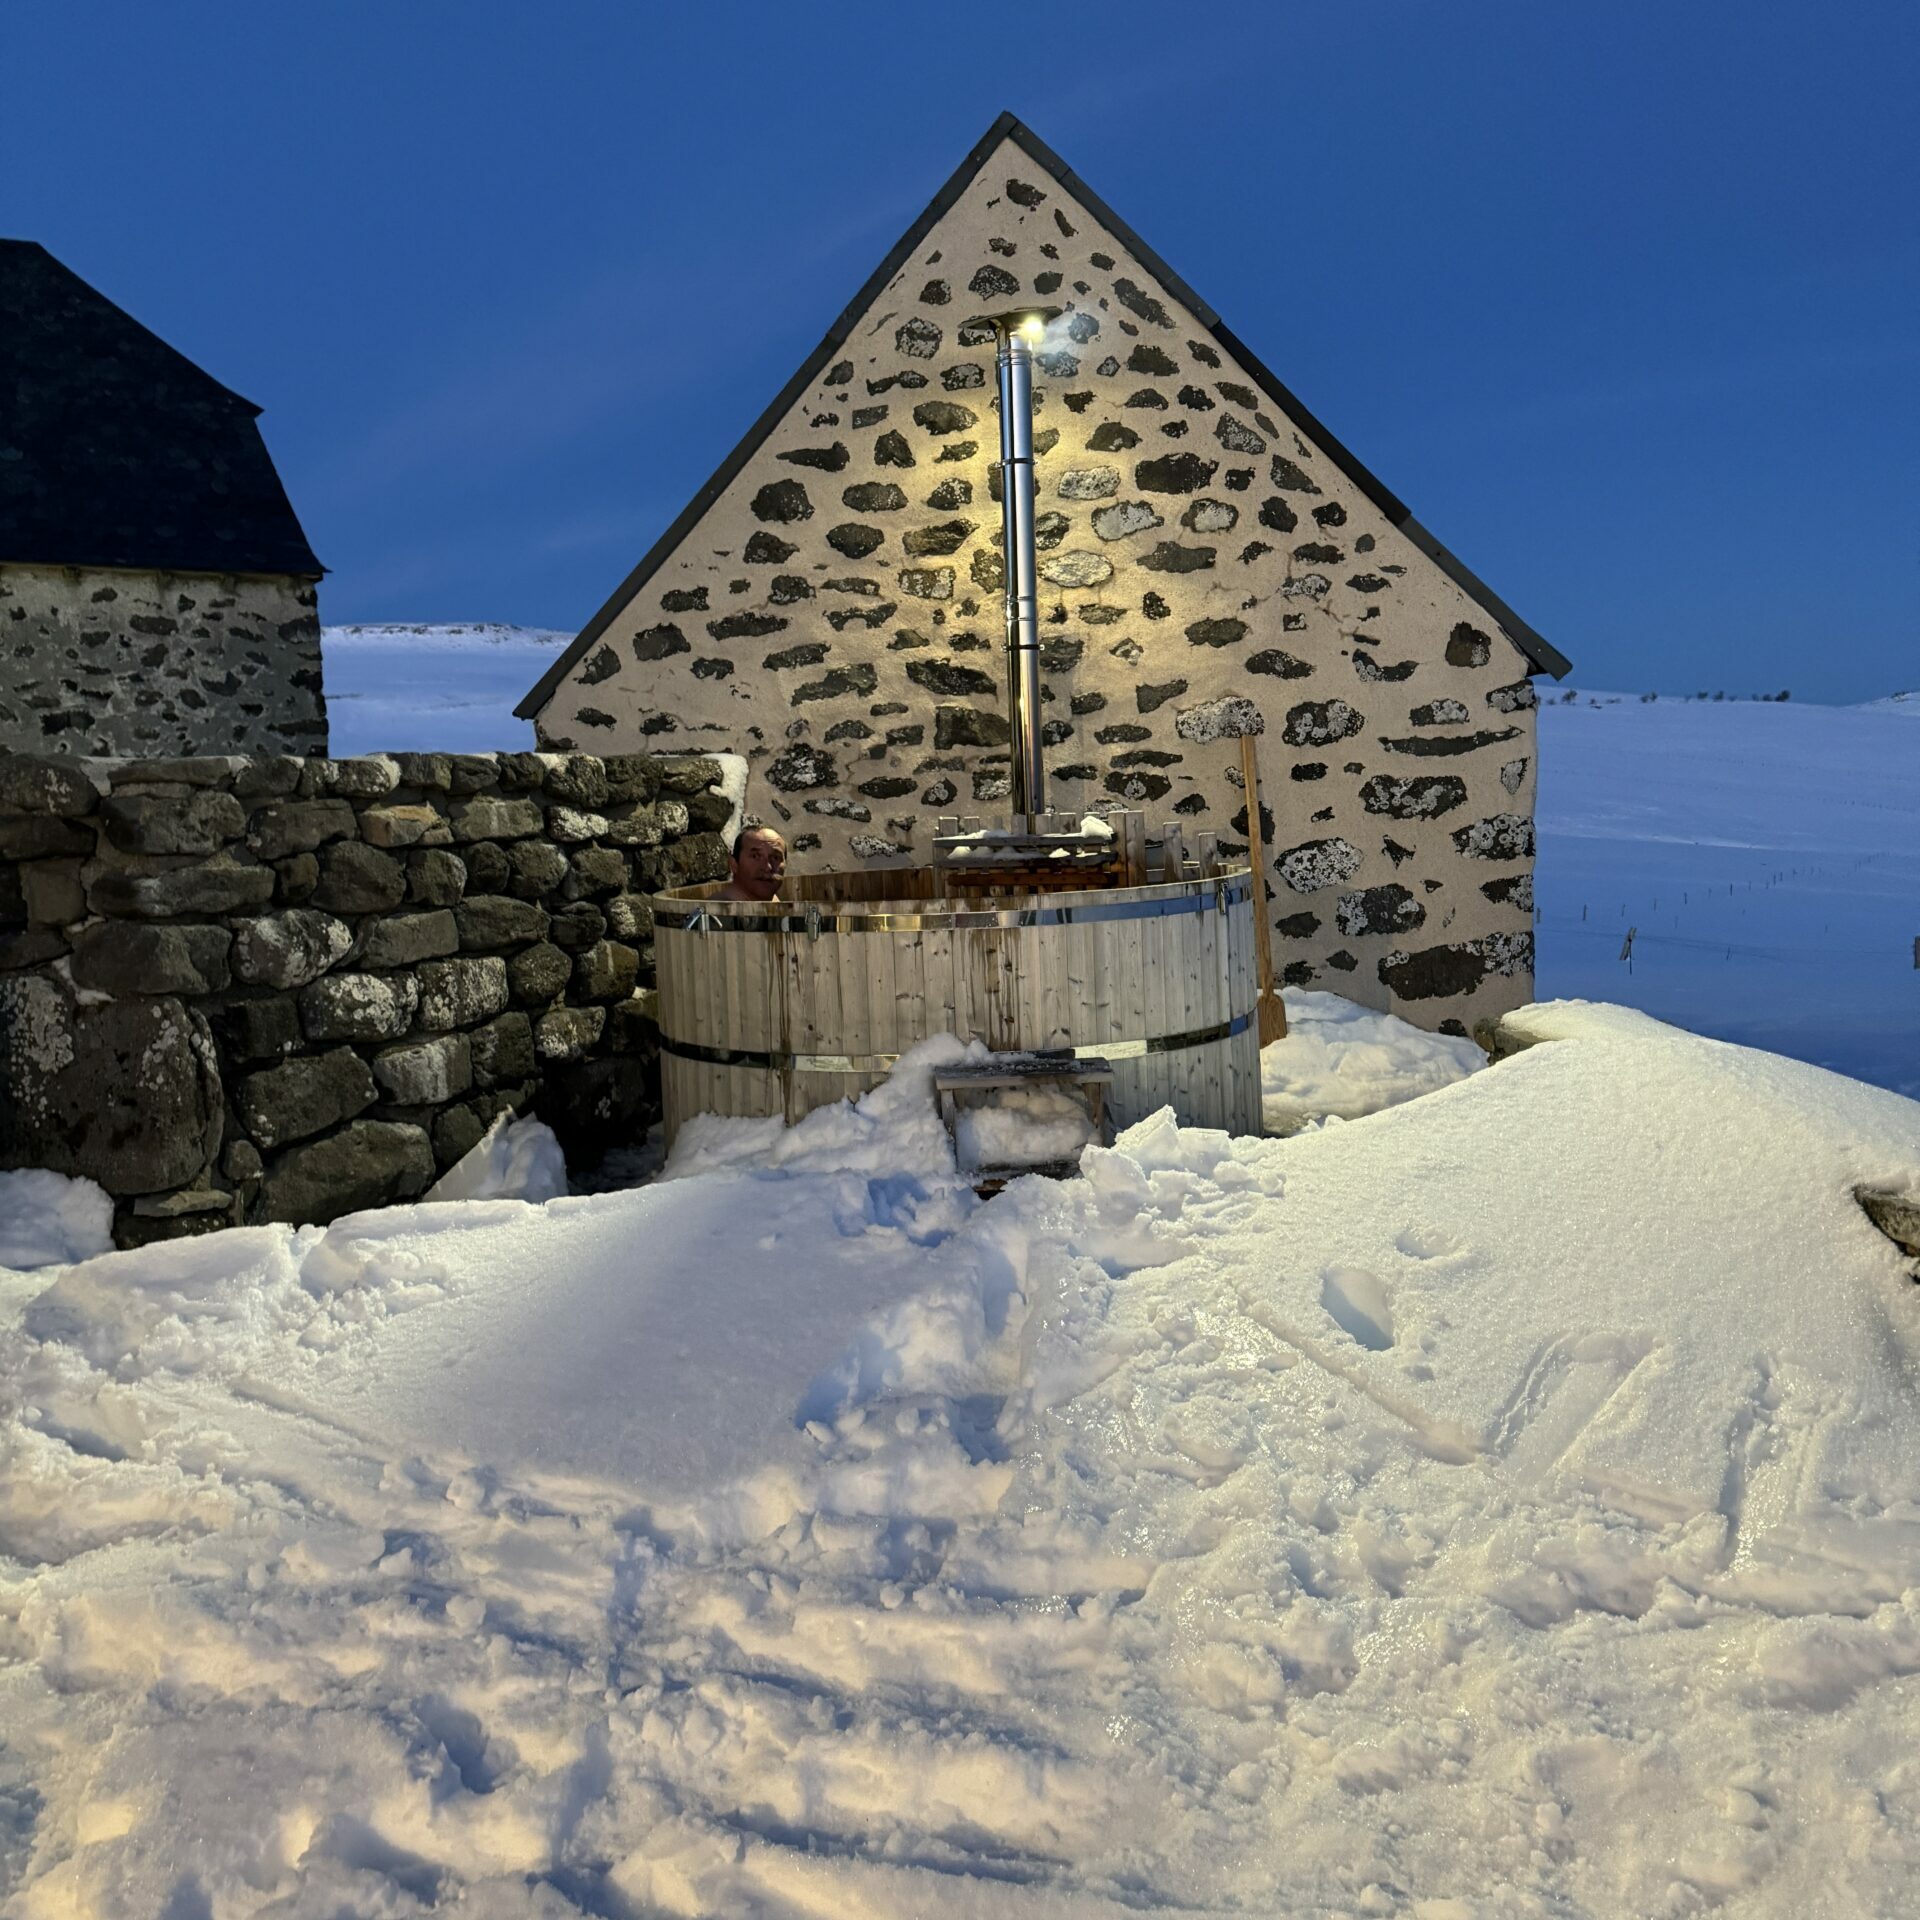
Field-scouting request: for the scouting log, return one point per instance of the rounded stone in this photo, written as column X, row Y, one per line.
column 196, row 822
column 302, row 1097
column 427, row 1073
column 537, row 974
column 359, row 1006
column 436, row 879
column 129, row 1096
column 370, row 1164
column 288, row 949
column 568, row 1033
column 490, row 920
column 461, row 993
column 404, row 939
column 355, row 878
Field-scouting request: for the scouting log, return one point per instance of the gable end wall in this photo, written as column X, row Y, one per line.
column 836, row 616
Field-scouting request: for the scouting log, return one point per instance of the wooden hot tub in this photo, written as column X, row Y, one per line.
column 784, row 1007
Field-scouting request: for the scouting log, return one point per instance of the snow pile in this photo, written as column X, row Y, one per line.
column 894, row 1130
column 1021, row 1127
column 1503, row 1508
column 47, row 1219
column 515, row 1159
column 1341, row 1061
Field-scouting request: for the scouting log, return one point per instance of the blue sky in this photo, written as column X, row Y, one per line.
column 1622, row 301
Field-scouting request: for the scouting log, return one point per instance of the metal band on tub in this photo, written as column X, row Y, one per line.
column 884, row 1062
column 698, row 917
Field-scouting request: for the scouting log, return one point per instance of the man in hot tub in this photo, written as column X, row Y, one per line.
column 757, row 863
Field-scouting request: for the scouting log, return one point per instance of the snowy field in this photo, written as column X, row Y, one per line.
column 445, row 689
column 1503, row 1503
column 1767, row 854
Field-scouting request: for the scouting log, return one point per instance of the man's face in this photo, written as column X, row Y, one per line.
column 761, row 864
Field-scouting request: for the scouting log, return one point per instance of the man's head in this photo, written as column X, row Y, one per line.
column 758, row 863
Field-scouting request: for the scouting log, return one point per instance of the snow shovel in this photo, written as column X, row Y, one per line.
column 1273, row 1012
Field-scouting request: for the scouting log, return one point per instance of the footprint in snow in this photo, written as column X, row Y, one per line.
column 1428, row 1243
column 1358, row 1303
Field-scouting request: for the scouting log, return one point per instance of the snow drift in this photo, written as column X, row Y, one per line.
column 1504, row 1504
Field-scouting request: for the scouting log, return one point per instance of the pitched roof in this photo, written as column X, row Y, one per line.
column 1541, row 656
column 116, row 451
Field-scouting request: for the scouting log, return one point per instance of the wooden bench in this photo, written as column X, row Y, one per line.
column 1087, row 1076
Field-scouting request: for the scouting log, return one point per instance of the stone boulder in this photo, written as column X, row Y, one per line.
column 40, row 783
column 200, row 821
column 127, row 1094
column 356, row 878
column 288, row 949
column 405, row 939
column 359, row 1006
column 461, row 993
column 372, row 1163
column 427, row 1073
column 218, row 884
column 306, row 1096
column 126, row 956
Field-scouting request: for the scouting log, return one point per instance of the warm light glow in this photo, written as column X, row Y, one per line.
column 1033, row 329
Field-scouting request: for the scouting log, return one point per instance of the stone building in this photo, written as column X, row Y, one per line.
column 830, row 605
column 157, row 595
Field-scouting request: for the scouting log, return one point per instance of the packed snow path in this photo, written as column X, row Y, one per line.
column 1505, row 1504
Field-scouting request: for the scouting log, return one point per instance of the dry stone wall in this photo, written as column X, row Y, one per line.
column 836, row 616
column 96, row 660
column 235, row 990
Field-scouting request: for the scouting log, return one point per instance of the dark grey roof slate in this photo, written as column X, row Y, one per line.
column 1541, row 656
column 116, row 451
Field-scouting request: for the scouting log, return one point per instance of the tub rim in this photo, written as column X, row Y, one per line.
column 693, row 910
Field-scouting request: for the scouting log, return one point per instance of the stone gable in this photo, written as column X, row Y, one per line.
column 836, row 616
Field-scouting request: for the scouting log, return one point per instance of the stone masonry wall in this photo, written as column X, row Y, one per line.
column 235, row 990
column 106, row 661
column 836, row 616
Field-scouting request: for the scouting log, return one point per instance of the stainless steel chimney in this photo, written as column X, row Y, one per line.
column 1017, row 333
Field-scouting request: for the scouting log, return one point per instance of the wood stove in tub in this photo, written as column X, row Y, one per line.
column 783, row 1007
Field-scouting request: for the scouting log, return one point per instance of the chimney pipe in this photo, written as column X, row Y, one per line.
column 1023, row 582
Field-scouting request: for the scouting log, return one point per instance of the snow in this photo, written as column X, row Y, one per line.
column 426, row 688
column 895, row 1130
column 48, row 1219
column 515, row 1159
column 1500, row 1504
column 1021, row 1127
column 1768, row 854
column 1343, row 1061
column 733, row 784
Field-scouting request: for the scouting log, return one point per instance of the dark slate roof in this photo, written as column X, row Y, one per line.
column 1541, row 656
column 116, row 451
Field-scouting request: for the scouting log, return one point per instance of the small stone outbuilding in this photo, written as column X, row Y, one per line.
column 830, row 605
column 157, row 594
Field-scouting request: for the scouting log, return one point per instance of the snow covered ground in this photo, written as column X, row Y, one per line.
column 1767, row 854
column 1501, row 1504
column 445, row 689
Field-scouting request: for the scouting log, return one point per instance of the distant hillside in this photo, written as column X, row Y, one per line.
column 476, row 633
